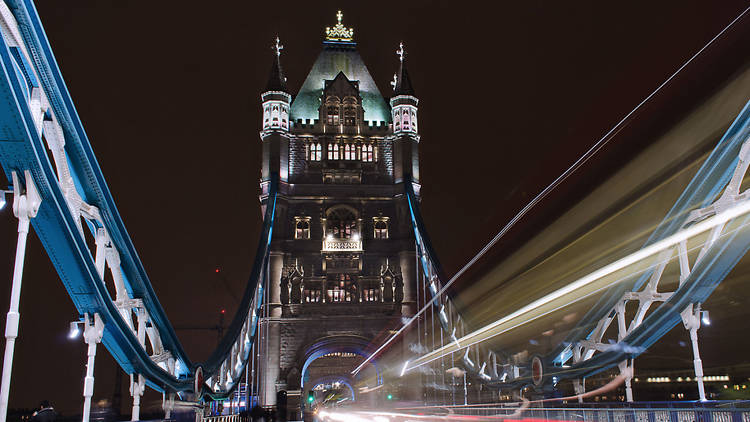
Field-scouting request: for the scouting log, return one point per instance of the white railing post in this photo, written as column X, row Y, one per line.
column 137, row 388
column 25, row 207
column 167, row 404
column 92, row 334
column 691, row 319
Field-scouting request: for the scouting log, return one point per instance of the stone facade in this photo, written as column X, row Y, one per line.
column 342, row 266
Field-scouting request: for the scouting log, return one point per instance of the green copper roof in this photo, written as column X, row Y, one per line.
column 335, row 58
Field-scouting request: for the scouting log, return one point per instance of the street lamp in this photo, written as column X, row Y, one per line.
column 74, row 330
column 2, row 199
column 704, row 318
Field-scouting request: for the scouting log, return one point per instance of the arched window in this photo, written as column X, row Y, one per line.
column 348, row 153
column 341, row 223
column 316, row 152
column 333, row 151
column 302, row 228
column 381, row 229
column 367, row 153
column 350, row 116
column 332, row 114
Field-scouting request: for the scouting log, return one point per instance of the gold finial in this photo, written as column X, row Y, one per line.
column 339, row 32
column 401, row 52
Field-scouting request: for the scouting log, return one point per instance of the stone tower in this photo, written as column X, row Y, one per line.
column 342, row 266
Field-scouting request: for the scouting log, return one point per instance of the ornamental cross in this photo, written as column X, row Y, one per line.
column 278, row 47
column 339, row 16
column 401, row 52
column 394, row 81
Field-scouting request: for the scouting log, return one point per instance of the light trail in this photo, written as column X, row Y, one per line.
column 487, row 331
column 541, row 195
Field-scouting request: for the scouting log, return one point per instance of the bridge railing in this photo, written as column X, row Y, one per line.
column 224, row 418
column 644, row 412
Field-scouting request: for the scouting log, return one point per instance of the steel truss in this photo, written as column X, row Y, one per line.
column 714, row 190
column 83, row 233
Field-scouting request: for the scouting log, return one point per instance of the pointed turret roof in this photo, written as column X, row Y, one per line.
column 339, row 55
column 403, row 83
column 277, row 81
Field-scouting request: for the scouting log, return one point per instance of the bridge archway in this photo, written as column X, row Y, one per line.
column 339, row 348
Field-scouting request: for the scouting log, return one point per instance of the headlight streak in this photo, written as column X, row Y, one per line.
column 669, row 242
column 541, row 195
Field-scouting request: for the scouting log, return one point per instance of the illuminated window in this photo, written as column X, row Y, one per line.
column 333, row 114
column 333, row 151
column 341, row 223
column 348, row 152
column 371, row 295
column 367, row 153
column 312, row 295
column 341, row 288
column 316, row 152
column 381, row 229
column 350, row 116
column 302, row 227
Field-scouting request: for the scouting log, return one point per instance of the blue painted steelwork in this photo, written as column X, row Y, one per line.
column 22, row 147
column 703, row 189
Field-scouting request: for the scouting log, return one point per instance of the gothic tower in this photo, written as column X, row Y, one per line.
column 342, row 266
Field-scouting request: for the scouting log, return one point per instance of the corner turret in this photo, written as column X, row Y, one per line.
column 405, row 128
column 276, row 102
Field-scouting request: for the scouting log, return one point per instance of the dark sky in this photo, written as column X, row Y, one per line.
column 510, row 94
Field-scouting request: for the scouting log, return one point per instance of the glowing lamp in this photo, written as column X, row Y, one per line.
column 74, row 330
column 2, row 199
column 390, row 396
column 705, row 320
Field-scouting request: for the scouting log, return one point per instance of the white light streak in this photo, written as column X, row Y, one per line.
column 541, row 195
column 485, row 332
column 403, row 370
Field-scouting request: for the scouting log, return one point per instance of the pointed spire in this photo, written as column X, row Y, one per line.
column 402, row 83
column 277, row 80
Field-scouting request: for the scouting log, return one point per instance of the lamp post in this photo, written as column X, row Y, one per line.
column 93, row 330
column 25, row 207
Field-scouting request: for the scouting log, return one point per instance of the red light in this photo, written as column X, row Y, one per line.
column 223, row 311
column 217, row 270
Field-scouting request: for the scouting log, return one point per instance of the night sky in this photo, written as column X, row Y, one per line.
column 511, row 93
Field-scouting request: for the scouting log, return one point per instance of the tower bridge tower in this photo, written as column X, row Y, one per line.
column 342, row 267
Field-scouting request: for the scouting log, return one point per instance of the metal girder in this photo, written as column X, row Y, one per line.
column 43, row 134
